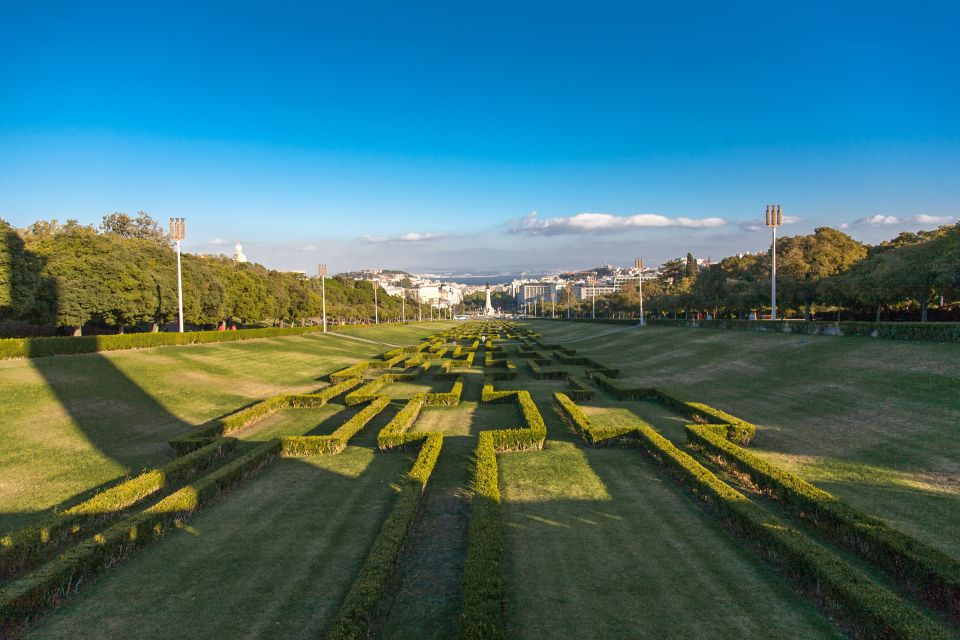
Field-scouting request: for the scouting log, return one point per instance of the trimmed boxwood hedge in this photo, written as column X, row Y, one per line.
column 579, row 390
column 591, row 434
column 395, row 434
column 67, row 345
column 446, row 398
column 336, row 442
column 867, row 609
column 540, row 374
column 482, row 616
column 258, row 411
column 25, row 547
column 737, row 430
column 27, row 596
column 357, row 614
column 930, row 573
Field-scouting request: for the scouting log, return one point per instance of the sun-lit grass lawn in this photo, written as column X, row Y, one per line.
column 69, row 424
column 273, row 559
column 395, row 333
column 874, row 421
column 600, row 543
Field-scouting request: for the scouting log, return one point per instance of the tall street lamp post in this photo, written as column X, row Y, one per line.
column 376, row 312
column 178, row 231
column 638, row 264
column 322, row 272
column 774, row 219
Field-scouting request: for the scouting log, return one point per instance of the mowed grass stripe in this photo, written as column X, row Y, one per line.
column 274, row 559
column 600, row 543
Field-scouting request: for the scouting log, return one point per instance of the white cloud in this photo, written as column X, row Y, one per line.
column 218, row 241
column 307, row 247
column 922, row 218
column 603, row 223
column 880, row 220
column 756, row 226
column 406, row 237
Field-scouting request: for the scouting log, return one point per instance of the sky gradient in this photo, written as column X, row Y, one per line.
column 438, row 136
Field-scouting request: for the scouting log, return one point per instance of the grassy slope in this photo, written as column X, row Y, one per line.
column 232, row 572
column 72, row 423
column 873, row 421
column 600, row 543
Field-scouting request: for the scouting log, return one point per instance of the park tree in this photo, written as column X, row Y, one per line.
column 142, row 227
column 803, row 262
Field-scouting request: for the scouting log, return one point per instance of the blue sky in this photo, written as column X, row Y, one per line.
column 436, row 135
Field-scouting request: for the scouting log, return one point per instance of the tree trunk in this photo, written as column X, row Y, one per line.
column 121, row 331
column 806, row 311
column 878, row 313
column 923, row 310
column 78, row 331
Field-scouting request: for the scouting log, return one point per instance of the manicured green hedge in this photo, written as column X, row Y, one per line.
column 258, row 411
column 591, row 434
column 65, row 345
column 482, row 617
column 850, row 597
column 357, row 614
column 27, row 596
column 395, row 434
column 510, row 372
column 926, row 571
column 336, row 442
column 540, row 374
column 530, row 437
column 25, row 547
column 368, row 391
column 447, row 398
column 737, row 430
column 579, row 390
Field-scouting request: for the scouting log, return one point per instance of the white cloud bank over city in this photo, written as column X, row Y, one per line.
column 582, row 223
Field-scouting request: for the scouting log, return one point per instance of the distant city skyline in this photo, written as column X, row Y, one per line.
column 513, row 137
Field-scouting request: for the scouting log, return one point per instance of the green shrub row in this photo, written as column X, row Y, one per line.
column 357, row 614
column 922, row 331
column 357, row 370
column 509, row 373
column 447, row 398
column 737, row 430
column 530, row 437
column 489, row 395
column 248, row 415
column 27, row 596
column 23, row 548
column 395, row 433
column 65, row 345
column 336, row 442
column 849, row 596
column 930, row 573
column 579, row 390
column 591, row 434
column 368, row 391
column 541, row 374
column 482, row 617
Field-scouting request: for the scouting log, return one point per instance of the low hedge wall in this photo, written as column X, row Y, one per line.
column 27, row 596
column 368, row 391
column 66, row 345
column 850, row 597
column 737, row 430
column 540, row 374
column 482, row 616
column 446, row 398
column 591, row 434
column 258, row 411
column 336, row 442
column 358, row 612
column 579, row 390
column 395, row 434
column 930, row 573
column 530, row 437
column 26, row 547
column 510, row 372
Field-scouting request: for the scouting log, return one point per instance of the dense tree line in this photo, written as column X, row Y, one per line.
column 826, row 274
column 122, row 276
